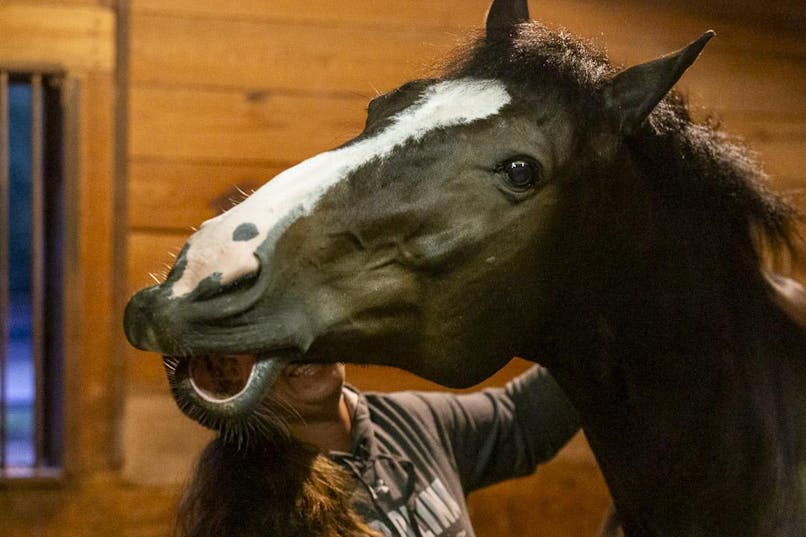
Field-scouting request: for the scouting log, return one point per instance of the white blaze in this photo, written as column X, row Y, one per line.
column 296, row 191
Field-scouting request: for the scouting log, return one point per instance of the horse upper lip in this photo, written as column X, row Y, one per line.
column 156, row 321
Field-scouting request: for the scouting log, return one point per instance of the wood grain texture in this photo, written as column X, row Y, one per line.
column 101, row 506
column 248, row 54
column 78, row 36
column 387, row 13
column 180, row 195
column 289, row 55
column 231, row 126
column 743, row 19
column 92, row 353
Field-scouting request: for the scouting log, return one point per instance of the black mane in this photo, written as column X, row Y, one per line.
column 535, row 55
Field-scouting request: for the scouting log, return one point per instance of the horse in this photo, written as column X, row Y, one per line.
column 531, row 201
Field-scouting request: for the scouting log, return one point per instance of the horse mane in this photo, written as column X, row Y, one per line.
column 718, row 186
column 279, row 487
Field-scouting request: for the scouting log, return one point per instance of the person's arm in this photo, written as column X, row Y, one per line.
column 500, row 433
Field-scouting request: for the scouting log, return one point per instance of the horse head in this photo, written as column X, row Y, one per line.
column 435, row 241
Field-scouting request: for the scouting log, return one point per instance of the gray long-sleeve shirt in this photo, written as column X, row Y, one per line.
column 417, row 454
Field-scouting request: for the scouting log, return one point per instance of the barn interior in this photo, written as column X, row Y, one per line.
column 151, row 116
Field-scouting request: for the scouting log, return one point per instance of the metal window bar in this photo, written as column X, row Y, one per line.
column 37, row 262
column 47, row 124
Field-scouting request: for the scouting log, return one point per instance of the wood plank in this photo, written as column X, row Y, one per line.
column 775, row 15
column 91, row 379
column 94, row 398
column 75, row 36
column 102, row 505
column 661, row 28
column 230, row 126
column 446, row 13
column 777, row 142
column 247, row 54
column 784, row 163
column 733, row 82
column 585, row 17
column 144, row 372
column 161, row 443
column 244, row 54
column 764, row 128
column 50, row 3
column 181, row 195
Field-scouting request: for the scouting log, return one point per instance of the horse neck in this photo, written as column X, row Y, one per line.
column 694, row 410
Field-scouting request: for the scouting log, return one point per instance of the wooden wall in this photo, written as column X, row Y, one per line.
column 224, row 94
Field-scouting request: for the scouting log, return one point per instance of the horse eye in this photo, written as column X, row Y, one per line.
column 522, row 173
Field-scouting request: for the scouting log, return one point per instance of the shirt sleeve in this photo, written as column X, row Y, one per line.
column 501, row 433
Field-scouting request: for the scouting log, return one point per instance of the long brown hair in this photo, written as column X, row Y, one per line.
column 281, row 487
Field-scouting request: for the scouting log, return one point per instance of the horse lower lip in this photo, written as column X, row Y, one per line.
column 225, row 412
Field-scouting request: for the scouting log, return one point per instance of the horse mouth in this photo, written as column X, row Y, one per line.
column 227, row 392
column 221, row 378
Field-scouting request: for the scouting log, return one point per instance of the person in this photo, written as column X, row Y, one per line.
column 413, row 456
column 417, row 455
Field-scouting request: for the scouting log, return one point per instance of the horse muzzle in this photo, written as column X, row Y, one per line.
column 223, row 350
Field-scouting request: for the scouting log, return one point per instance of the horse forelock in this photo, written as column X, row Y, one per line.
column 225, row 248
column 535, row 55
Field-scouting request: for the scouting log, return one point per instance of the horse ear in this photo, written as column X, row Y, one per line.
column 632, row 94
column 503, row 15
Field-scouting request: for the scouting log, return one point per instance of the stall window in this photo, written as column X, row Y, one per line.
column 31, row 231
